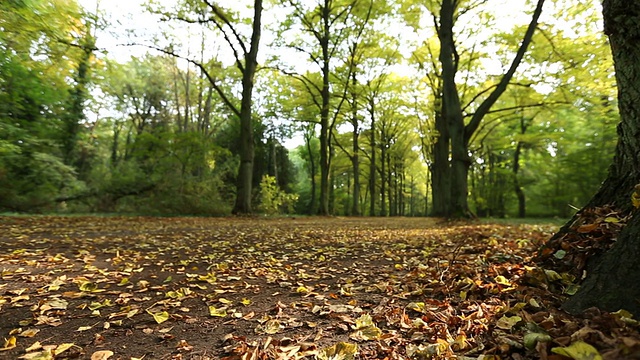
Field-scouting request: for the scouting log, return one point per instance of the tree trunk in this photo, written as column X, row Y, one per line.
column 383, row 180
column 75, row 116
column 459, row 133
column 324, row 111
column 355, row 159
column 440, row 187
column 372, row 165
column 612, row 282
column 516, row 183
column 312, row 171
column 452, row 112
column 332, row 182
column 245, row 172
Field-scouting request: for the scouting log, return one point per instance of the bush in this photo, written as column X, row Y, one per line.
column 274, row 200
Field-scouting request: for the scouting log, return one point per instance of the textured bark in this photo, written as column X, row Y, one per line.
column 247, row 147
column 440, row 188
column 452, row 112
column 612, row 282
column 324, row 111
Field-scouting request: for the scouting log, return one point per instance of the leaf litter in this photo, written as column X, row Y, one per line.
column 309, row 288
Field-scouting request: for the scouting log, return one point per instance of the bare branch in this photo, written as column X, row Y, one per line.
column 213, row 81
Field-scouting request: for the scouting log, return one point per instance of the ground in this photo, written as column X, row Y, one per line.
column 323, row 288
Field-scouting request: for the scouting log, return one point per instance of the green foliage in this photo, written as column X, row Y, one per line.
column 165, row 142
column 274, row 200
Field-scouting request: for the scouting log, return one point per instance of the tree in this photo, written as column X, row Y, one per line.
column 612, row 280
column 329, row 22
column 39, row 54
column 245, row 53
column 459, row 133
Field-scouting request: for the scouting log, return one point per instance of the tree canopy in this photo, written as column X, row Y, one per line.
column 344, row 106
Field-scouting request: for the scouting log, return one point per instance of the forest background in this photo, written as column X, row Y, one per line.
column 358, row 84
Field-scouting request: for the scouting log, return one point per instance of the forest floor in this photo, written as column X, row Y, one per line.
column 304, row 288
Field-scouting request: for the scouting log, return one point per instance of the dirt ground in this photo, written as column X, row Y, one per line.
column 254, row 288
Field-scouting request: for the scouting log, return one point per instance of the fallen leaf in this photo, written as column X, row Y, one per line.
column 101, row 355
column 579, row 350
column 339, row 351
column 213, row 311
column 9, row 343
column 160, row 316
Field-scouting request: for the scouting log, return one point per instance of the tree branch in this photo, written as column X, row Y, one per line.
column 212, row 80
column 483, row 109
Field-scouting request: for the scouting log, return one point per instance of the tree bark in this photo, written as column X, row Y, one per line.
column 372, row 165
column 324, row 111
column 247, row 147
column 355, row 158
column 383, row 175
column 516, row 183
column 612, row 281
column 452, row 112
column 312, row 169
column 440, row 187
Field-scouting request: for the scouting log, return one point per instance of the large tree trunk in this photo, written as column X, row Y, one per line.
column 440, row 187
column 245, row 172
column 452, row 112
column 612, row 282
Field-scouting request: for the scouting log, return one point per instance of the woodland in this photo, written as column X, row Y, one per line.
column 413, row 128
column 197, row 124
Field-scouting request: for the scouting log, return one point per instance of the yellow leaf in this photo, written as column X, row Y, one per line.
column 213, row 311
column 579, row 350
column 419, row 307
column 507, row 323
column 366, row 329
column 41, row 355
column 364, row 321
column 101, row 355
column 9, row 343
column 88, row 286
column 339, row 351
column 159, row 317
column 635, row 197
column 246, row 302
column 62, row 348
column 35, row 346
column 29, row 333
column 225, row 301
column 502, row 280
column 272, row 326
